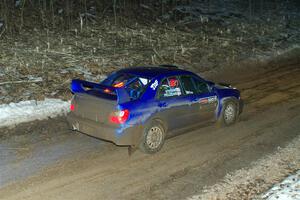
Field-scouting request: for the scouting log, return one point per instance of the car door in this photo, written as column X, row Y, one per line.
column 202, row 102
column 206, row 101
column 172, row 104
column 191, row 94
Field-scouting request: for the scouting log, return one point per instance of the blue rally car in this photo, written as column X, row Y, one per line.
column 142, row 106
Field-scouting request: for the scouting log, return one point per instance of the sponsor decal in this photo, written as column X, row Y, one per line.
column 212, row 99
column 203, row 101
column 208, row 100
column 154, row 85
column 172, row 92
column 144, row 81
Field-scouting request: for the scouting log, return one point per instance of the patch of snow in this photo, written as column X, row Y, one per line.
column 26, row 111
column 288, row 189
column 35, row 79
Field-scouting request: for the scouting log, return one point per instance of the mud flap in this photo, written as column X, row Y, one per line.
column 131, row 150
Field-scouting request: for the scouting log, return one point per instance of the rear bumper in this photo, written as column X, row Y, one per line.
column 123, row 135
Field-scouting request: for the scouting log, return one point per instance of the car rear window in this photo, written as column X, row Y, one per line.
column 117, row 79
column 134, row 85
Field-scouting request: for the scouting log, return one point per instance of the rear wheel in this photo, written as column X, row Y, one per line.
column 229, row 114
column 153, row 138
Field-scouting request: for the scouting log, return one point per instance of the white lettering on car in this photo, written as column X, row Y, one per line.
column 212, row 99
column 154, row 85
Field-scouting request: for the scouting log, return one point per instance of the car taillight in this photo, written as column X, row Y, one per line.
column 119, row 117
column 107, row 90
column 72, row 107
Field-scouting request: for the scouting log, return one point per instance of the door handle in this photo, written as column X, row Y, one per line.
column 162, row 104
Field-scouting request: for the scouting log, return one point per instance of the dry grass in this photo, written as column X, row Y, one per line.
column 90, row 52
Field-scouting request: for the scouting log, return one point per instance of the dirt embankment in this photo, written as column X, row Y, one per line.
column 203, row 156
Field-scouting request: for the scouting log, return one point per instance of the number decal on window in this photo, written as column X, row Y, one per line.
column 154, row 85
column 173, row 83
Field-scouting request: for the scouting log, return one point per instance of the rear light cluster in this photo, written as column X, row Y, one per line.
column 119, row 117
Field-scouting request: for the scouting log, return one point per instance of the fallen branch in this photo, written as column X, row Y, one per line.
column 158, row 55
column 2, row 32
column 23, row 81
column 17, row 148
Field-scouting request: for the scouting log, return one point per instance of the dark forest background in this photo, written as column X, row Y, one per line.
column 16, row 15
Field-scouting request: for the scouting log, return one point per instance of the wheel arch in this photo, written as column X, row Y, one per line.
column 223, row 101
column 159, row 120
column 143, row 145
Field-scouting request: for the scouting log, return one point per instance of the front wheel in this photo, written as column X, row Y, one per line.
column 153, row 138
column 228, row 115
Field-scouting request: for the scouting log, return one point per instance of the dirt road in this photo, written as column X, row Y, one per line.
column 90, row 169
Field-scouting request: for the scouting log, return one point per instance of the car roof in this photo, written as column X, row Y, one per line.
column 154, row 71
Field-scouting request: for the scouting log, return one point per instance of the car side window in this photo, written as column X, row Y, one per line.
column 188, row 85
column 169, row 87
column 201, row 86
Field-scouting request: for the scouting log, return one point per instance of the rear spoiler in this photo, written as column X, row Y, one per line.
column 81, row 86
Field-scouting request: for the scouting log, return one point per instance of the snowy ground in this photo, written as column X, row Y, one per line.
column 288, row 189
column 26, row 111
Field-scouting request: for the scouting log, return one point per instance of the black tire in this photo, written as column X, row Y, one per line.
column 151, row 144
column 229, row 114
